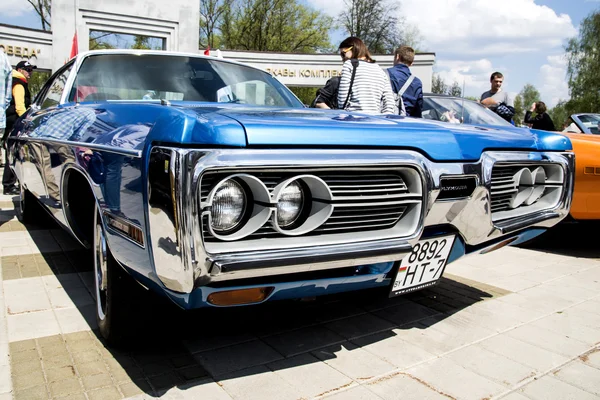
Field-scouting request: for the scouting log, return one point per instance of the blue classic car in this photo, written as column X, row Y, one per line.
column 209, row 182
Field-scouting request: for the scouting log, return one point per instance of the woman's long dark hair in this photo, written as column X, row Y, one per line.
column 359, row 48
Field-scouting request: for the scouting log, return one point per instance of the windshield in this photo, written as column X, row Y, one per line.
column 591, row 122
column 457, row 110
column 110, row 77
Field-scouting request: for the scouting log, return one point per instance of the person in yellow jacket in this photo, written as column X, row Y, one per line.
column 20, row 102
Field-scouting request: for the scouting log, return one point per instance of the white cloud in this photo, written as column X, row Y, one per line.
column 554, row 85
column 15, row 8
column 488, row 27
column 480, row 27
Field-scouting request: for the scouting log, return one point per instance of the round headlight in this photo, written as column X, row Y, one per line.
column 228, row 206
column 289, row 205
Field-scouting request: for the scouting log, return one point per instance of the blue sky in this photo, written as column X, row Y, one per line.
column 524, row 39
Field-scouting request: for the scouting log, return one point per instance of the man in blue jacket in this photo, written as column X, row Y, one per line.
column 404, row 84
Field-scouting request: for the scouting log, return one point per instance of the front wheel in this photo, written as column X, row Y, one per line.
column 114, row 306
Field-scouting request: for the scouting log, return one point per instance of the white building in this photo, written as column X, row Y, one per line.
column 174, row 24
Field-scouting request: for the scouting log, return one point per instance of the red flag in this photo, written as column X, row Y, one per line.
column 207, row 51
column 74, row 46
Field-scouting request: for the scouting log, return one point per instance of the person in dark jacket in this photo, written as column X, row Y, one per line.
column 20, row 102
column 399, row 74
column 542, row 120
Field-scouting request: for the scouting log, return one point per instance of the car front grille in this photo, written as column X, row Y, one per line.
column 363, row 200
column 522, row 189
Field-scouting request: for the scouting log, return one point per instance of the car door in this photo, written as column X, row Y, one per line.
column 37, row 167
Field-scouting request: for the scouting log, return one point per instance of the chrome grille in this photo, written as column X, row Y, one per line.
column 503, row 187
column 342, row 185
column 508, row 189
column 364, row 200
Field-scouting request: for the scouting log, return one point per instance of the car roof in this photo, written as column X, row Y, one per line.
column 84, row 54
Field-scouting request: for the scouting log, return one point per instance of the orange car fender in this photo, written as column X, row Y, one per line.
column 586, row 196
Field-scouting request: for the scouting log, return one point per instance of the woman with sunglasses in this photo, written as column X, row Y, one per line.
column 365, row 88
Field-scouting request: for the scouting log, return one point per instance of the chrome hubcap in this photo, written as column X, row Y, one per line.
column 100, row 266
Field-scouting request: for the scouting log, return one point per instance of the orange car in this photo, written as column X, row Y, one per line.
column 586, row 196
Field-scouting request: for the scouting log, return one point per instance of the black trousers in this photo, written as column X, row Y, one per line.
column 9, row 178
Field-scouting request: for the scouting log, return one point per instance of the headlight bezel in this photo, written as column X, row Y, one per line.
column 304, row 195
column 257, row 211
column 317, row 207
column 247, row 199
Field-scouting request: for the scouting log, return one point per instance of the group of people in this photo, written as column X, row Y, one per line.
column 501, row 103
column 363, row 86
column 15, row 99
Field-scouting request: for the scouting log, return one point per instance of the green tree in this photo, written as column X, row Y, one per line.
column 376, row 22
column 454, row 89
column 211, row 18
column 37, row 81
column 141, row 43
column 527, row 96
column 274, row 25
column 583, row 70
column 438, row 85
column 559, row 114
column 305, row 94
column 42, row 8
column 97, row 41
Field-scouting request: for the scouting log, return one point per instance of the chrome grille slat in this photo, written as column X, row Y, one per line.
column 346, row 222
column 369, row 215
column 326, row 228
column 363, row 200
column 503, row 187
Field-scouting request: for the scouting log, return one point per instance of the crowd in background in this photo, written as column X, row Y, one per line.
column 363, row 86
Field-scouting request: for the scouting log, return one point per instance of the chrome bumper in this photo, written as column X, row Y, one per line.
column 187, row 264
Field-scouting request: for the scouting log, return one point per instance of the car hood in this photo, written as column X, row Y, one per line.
column 439, row 141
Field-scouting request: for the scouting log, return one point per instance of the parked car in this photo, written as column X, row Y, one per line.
column 584, row 123
column 227, row 191
column 584, row 135
column 586, row 146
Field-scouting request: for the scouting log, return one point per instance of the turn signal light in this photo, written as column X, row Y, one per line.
column 240, row 296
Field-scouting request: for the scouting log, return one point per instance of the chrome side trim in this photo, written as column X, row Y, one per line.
column 92, row 146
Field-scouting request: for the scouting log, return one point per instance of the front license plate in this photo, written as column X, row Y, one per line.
column 423, row 266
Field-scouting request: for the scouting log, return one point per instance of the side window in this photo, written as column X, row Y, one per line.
column 54, row 92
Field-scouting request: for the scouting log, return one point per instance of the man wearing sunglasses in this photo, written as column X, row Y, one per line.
column 20, row 102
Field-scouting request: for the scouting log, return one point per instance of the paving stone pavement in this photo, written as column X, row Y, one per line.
column 519, row 323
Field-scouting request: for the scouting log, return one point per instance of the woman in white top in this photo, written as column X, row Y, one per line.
column 371, row 91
